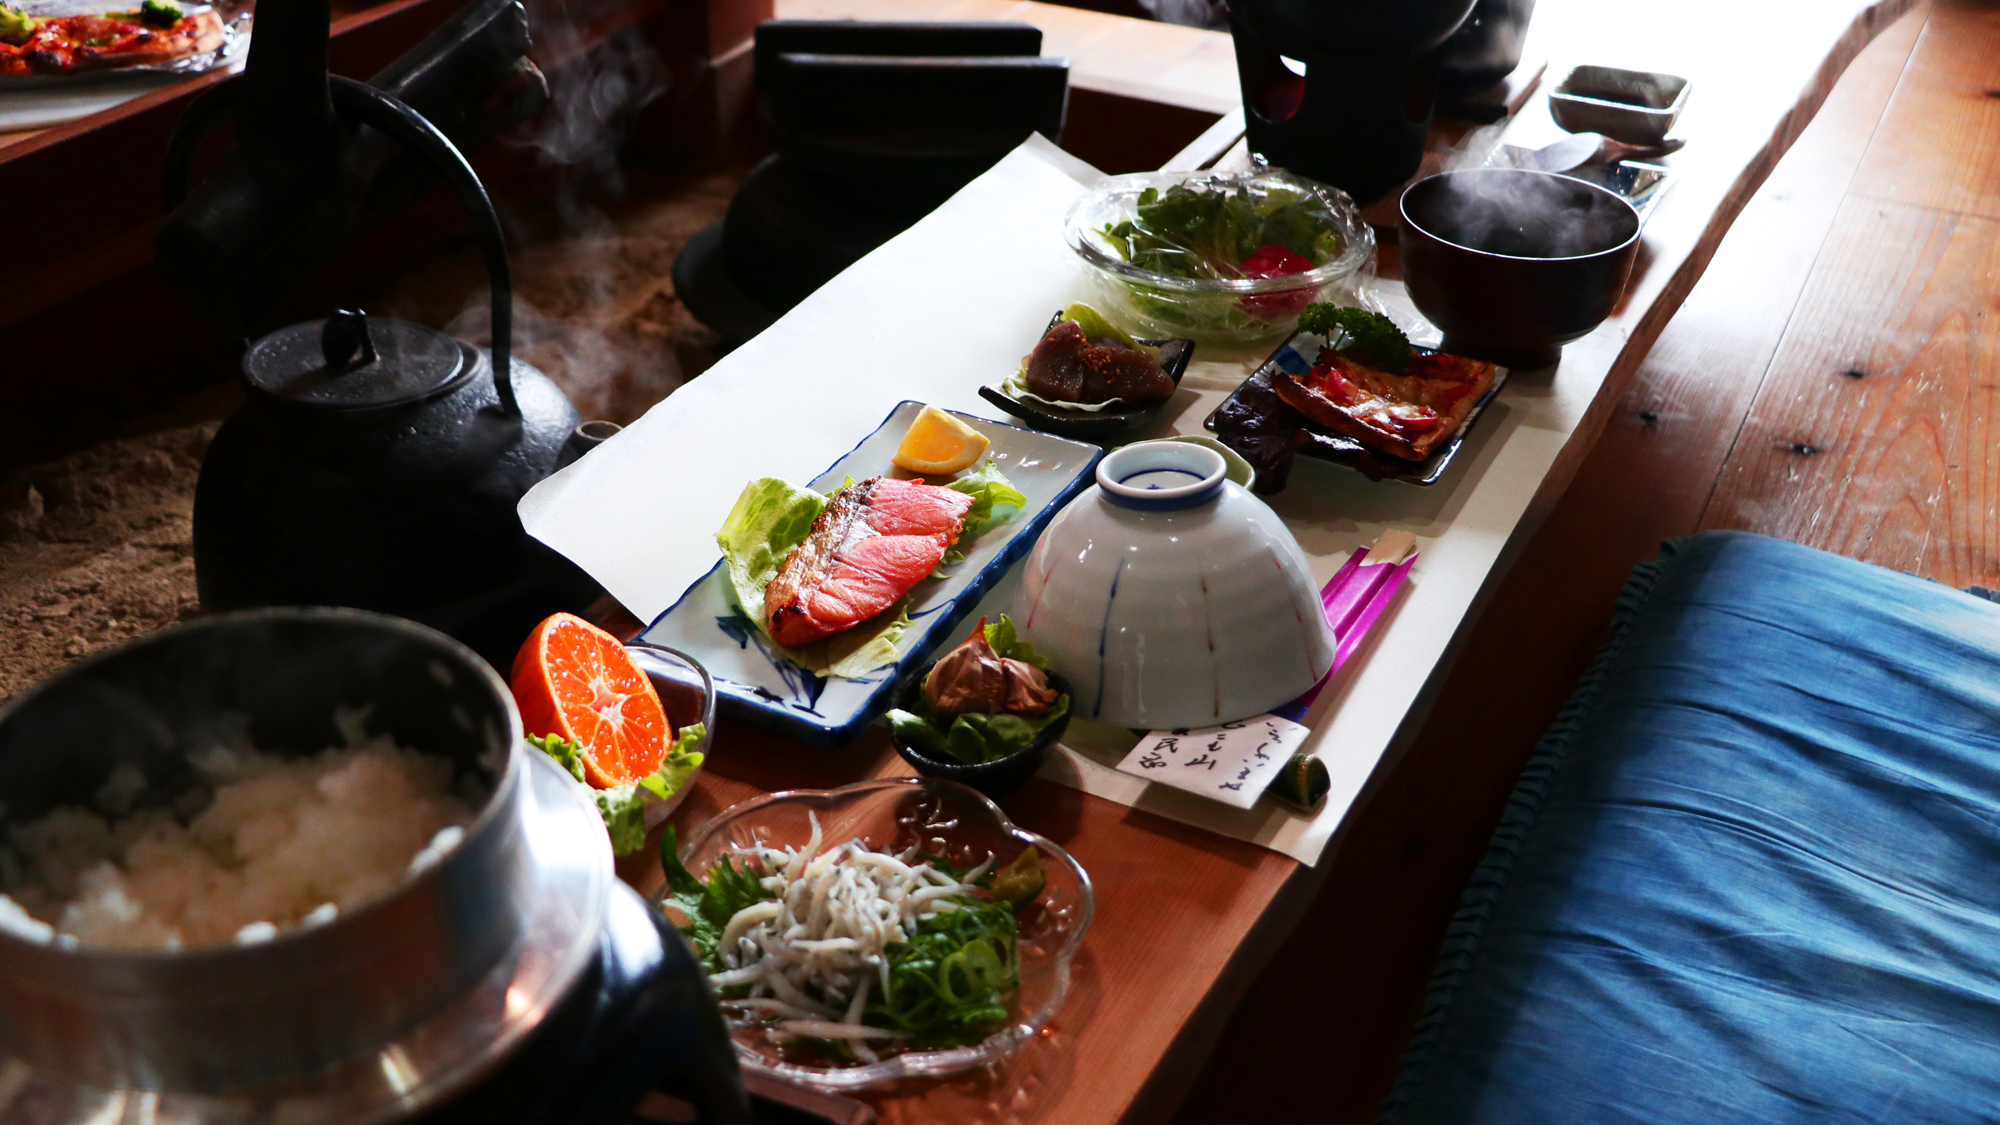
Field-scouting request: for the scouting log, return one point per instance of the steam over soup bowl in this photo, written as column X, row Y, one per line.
column 1512, row 264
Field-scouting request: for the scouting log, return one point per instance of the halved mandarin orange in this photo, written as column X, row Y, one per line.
column 576, row 680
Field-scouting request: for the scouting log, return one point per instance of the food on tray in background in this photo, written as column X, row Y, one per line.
column 939, row 443
column 986, row 699
column 825, row 577
column 587, row 705
column 855, row 952
column 156, row 32
column 1085, row 359
column 279, row 842
column 1222, row 258
column 1405, row 407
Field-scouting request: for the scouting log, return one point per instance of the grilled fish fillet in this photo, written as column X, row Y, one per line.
column 875, row 540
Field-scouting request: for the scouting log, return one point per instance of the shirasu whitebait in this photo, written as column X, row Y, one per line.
column 812, row 954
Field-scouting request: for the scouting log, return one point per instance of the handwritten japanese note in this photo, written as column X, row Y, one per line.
column 1231, row 763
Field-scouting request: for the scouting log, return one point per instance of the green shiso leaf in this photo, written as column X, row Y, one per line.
column 709, row 906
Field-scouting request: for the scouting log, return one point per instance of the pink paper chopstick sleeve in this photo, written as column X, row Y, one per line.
column 1353, row 598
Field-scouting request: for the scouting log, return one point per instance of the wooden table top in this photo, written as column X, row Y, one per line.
column 1186, row 917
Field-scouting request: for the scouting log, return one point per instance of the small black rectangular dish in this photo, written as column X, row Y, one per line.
column 1096, row 425
column 1258, row 424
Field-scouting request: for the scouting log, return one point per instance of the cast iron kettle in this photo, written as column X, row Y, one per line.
column 377, row 463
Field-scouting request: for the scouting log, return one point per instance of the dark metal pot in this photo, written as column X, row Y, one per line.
column 1486, row 47
column 1340, row 90
column 215, row 1018
column 514, row 981
column 377, row 463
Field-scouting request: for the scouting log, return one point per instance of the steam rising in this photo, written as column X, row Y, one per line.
column 1521, row 214
column 592, row 306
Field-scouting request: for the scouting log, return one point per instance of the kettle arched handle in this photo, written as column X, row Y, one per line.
column 389, row 115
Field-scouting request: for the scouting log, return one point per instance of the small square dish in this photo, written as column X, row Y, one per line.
column 1258, row 424
column 754, row 681
column 1634, row 106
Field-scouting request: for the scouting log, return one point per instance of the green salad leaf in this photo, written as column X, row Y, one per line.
column 772, row 517
column 1205, row 230
column 990, row 491
column 1008, row 645
column 623, row 807
column 1094, row 326
column 708, row 906
column 976, row 738
column 1366, row 336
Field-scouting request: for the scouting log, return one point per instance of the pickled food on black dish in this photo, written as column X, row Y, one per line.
column 1083, row 359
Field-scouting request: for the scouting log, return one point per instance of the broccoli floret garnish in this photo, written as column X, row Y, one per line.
column 159, row 13
column 16, row 25
column 1371, row 337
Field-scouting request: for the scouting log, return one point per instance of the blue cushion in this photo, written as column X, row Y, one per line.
column 1752, row 875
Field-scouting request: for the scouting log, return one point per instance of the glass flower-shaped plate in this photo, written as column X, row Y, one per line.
column 947, row 819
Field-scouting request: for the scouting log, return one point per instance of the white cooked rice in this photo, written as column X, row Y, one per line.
column 283, row 842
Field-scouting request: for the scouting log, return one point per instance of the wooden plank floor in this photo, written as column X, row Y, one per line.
column 1831, row 380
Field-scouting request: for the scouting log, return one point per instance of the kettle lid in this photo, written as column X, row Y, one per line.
column 351, row 359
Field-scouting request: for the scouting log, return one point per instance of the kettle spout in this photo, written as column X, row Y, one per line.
column 585, row 438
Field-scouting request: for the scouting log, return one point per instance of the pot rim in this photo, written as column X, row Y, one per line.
column 1403, row 211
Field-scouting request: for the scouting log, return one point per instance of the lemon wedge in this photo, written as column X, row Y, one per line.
column 939, row 443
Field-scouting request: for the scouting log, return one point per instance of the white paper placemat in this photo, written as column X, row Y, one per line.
column 954, row 302
column 927, row 316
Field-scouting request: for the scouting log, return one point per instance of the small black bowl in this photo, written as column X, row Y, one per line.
column 1096, row 425
column 993, row 778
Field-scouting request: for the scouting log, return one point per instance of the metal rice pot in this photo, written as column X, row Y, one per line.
column 221, row 1018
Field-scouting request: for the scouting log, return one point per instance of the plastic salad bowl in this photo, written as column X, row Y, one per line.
column 947, row 819
column 1219, row 312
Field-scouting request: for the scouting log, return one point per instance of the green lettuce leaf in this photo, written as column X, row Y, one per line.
column 972, row 739
column 990, row 489
column 1008, row 645
column 769, row 519
column 1095, row 326
column 623, row 807
column 855, row 652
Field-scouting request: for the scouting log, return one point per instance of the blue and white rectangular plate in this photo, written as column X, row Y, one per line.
column 753, row 681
